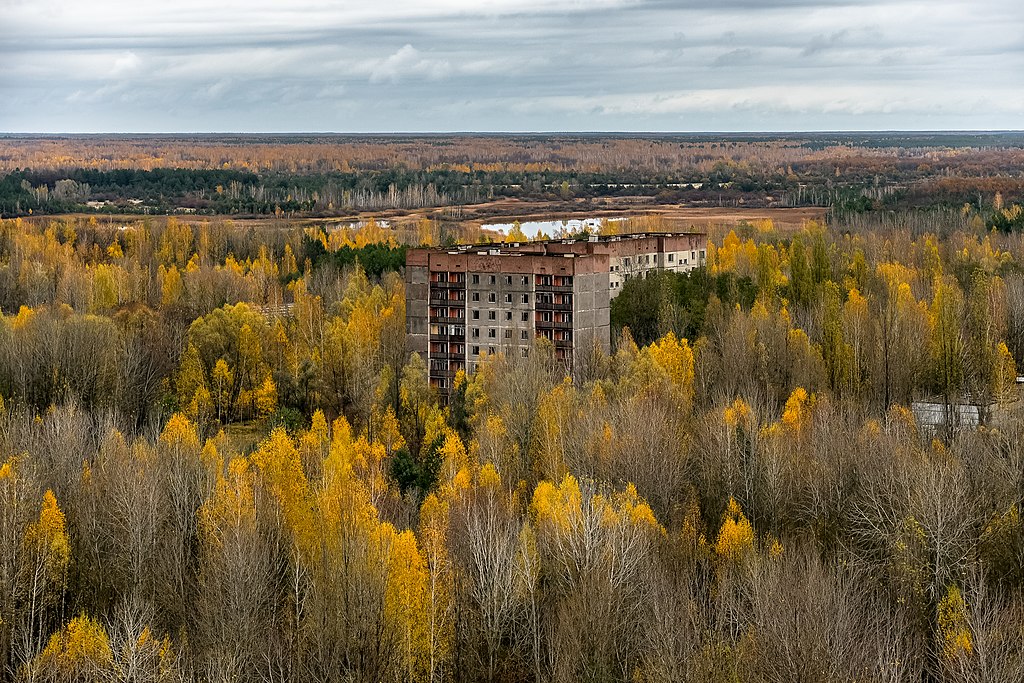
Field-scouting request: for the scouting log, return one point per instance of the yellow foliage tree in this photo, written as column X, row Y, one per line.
column 193, row 390
column 407, row 600
column 737, row 414
column 1005, row 373
column 954, row 628
column 222, row 384
column 433, row 534
column 666, row 366
column 584, row 532
column 516, row 234
column 264, row 398
column 280, row 467
column 78, row 652
column 796, row 414
column 105, row 287
column 735, row 542
column 232, row 504
column 47, row 539
column 171, row 287
column 180, row 433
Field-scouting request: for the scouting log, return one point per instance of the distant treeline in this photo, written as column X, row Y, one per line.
column 855, row 175
column 229, row 192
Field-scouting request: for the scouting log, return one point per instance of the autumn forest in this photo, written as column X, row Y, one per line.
column 219, row 462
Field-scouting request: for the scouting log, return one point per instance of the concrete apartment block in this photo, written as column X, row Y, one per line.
column 465, row 302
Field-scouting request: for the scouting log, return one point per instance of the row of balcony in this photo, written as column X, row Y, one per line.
column 552, row 281
column 445, row 299
column 448, row 336
column 567, row 289
column 447, row 355
column 546, row 306
column 553, row 325
column 447, row 312
column 445, row 368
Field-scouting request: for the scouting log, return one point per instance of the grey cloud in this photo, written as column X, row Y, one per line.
column 822, row 43
column 512, row 65
column 735, row 57
column 408, row 62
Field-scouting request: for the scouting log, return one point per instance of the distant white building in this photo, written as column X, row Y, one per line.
column 933, row 415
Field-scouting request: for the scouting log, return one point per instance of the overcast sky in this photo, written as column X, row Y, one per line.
column 504, row 65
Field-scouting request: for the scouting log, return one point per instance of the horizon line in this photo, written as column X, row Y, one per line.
column 296, row 133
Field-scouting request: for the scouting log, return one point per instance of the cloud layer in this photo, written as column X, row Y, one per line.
column 498, row 65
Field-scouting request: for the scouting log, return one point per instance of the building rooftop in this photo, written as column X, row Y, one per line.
column 555, row 247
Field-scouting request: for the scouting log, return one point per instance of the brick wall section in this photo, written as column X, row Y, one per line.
column 416, row 308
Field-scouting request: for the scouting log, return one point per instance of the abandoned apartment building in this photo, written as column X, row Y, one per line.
column 468, row 301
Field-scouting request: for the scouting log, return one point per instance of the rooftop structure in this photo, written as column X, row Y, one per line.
column 465, row 302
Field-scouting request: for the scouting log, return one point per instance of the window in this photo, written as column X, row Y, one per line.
column 526, row 280
column 508, row 315
column 492, row 280
column 525, row 334
column 476, row 350
column 508, row 334
column 671, row 258
column 476, row 314
column 508, row 298
column 476, row 296
column 508, row 279
column 526, row 298
column 525, row 317
column 491, row 333
column 702, row 253
column 492, row 297
column 491, row 315
column 442, row 383
column 693, row 255
column 476, row 333
column 476, row 279
column 525, row 352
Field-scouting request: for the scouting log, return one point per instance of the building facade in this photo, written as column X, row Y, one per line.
column 465, row 302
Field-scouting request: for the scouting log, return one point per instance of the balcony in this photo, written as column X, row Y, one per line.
column 554, row 325
column 448, row 336
column 444, row 355
column 443, row 299
column 555, row 288
column 448, row 285
column 547, row 306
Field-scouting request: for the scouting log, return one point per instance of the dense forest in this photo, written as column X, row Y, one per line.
column 336, row 175
column 218, row 462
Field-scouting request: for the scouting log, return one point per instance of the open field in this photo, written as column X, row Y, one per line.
column 471, row 218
